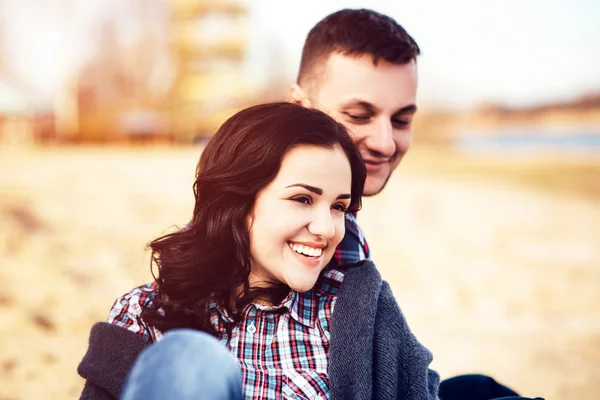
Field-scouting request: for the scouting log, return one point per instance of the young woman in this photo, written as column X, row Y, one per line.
column 251, row 273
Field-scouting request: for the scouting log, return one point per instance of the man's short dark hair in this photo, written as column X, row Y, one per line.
column 355, row 33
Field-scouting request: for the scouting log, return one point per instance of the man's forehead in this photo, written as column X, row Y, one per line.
column 355, row 80
column 364, row 64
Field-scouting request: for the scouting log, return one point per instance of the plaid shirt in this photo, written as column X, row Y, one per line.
column 282, row 350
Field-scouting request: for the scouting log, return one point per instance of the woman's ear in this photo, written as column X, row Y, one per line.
column 297, row 96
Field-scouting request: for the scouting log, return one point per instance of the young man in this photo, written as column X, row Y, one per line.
column 360, row 66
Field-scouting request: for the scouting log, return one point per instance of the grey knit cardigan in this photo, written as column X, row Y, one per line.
column 373, row 353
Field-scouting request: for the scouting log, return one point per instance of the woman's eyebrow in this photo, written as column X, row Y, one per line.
column 313, row 189
column 319, row 191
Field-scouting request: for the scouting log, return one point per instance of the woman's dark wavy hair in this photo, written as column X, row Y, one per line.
column 212, row 254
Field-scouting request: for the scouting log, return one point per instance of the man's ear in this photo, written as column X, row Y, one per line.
column 297, row 96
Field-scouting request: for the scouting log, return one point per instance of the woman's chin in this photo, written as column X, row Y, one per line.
column 302, row 287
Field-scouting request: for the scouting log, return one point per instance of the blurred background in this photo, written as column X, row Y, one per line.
column 489, row 232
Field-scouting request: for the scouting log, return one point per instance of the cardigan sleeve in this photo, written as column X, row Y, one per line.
column 401, row 363
column 95, row 392
column 111, row 354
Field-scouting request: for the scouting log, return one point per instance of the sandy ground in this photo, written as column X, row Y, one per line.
column 495, row 275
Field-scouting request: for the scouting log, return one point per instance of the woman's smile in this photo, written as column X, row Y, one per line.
column 311, row 256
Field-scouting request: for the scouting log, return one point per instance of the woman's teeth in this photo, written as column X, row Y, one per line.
column 306, row 250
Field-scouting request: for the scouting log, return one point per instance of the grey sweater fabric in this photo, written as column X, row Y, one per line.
column 110, row 356
column 373, row 353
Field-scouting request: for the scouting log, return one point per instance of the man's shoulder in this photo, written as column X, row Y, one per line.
column 351, row 222
column 353, row 247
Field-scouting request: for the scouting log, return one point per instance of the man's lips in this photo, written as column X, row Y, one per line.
column 376, row 162
column 375, row 165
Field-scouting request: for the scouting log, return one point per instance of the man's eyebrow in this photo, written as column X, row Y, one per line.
column 362, row 103
column 313, row 189
column 410, row 109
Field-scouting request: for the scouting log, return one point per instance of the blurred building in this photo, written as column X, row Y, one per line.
column 25, row 119
column 109, row 98
column 208, row 45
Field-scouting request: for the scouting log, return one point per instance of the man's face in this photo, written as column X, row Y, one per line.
column 377, row 105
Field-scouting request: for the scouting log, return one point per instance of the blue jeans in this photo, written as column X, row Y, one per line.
column 185, row 364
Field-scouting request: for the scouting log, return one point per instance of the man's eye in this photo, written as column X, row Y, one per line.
column 356, row 117
column 401, row 123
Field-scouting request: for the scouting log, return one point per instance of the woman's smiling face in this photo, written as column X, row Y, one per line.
column 298, row 218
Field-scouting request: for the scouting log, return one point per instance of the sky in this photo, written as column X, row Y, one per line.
column 514, row 52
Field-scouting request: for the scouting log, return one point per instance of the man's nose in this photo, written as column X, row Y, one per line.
column 381, row 139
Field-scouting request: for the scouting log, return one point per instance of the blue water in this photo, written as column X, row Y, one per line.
column 530, row 141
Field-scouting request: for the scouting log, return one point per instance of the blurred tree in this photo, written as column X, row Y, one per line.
column 128, row 70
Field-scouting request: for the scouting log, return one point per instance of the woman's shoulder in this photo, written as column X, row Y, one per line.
column 133, row 301
column 126, row 311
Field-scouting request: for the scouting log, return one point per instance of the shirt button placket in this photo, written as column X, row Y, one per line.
column 251, row 327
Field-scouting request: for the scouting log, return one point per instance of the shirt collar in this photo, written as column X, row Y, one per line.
column 217, row 304
column 299, row 305
column 302, row 307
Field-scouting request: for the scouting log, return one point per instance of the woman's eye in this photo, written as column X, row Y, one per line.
column 302, row 199
column 340, row 207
